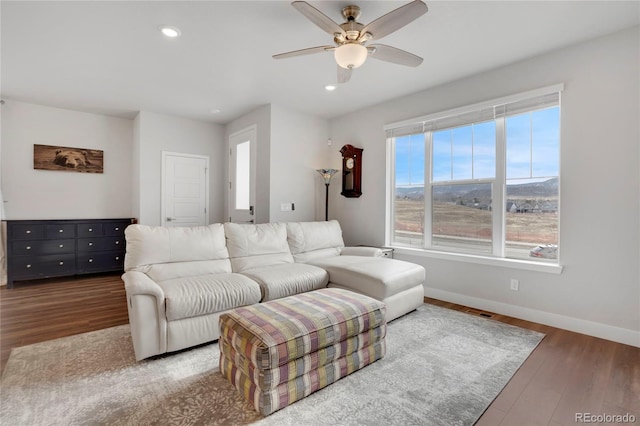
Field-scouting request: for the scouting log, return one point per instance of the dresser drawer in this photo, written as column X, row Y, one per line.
column 40, row 247
column 90, row 230
column 114, row 243
column 42, row 266
column 115, row 228
column 65, row 230
column 90, row 244
column 27, row 232
column 100, row 244
column 103, row 261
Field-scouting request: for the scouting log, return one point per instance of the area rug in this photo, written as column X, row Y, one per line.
column 442, row 367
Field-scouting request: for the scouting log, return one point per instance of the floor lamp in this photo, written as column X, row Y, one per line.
column 326, row 174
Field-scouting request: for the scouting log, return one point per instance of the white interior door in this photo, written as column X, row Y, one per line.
column 242, row 176
column 185, row 189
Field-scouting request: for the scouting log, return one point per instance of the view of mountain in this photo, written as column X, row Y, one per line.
column 481, row 192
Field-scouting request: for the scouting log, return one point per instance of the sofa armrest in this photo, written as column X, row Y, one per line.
column 138, row 283
column 147, row 320
column 361, row 251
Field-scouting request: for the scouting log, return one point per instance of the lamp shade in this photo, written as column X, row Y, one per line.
column 350, row 55
column 327, row 174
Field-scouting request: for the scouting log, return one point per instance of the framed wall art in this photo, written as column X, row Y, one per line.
column 64, row 158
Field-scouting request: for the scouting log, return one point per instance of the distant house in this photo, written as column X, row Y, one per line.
column 526, row 207
column 548, row 207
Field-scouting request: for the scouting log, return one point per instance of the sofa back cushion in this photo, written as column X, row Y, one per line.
column 313, row 240
column 255, row 246
column 168, row 253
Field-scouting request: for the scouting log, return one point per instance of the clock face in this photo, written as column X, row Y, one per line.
column 349, row 163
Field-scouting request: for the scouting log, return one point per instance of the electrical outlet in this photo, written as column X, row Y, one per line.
column 515, row 284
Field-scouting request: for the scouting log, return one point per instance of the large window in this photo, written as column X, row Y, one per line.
column 482, row 179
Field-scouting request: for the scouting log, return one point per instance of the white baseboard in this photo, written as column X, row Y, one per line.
column 603, row 331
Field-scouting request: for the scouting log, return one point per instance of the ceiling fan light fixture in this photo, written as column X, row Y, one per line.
column 350, row 55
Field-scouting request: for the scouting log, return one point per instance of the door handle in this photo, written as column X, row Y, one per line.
column 251, row 210
column 169, row 219
column 249, row 221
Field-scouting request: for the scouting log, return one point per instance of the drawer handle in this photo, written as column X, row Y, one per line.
column 28, row 266
column 28, row 231
column 90, row 229
column 90, row 244
column 60, row 230
column 117, row 229
column 90, row 260
column 117, row 242
column 117, row 257
column 61, row 263
column 61, row 245
column 28, row 247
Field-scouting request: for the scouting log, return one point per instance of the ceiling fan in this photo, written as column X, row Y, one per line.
column 351, row 37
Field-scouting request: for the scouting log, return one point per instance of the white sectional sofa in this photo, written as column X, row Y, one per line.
column 180, row 280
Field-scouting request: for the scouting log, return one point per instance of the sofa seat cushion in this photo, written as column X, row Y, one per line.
column 206, row 294
column 286, row 280
column 374, row 276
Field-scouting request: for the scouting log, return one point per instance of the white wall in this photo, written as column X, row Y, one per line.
column 298, row 148
column 135, row 169
column 598, row 292
column 46, row 194
column 157, row 133
column 290, row 146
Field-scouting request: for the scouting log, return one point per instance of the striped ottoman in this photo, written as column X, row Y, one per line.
column 278, row 352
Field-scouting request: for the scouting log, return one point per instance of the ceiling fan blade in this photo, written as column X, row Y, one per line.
column 392, row 54
column 318, row 18
column 301, row 52
column 396, row 19
column 344, row 74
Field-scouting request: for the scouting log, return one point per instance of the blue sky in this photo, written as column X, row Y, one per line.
column 533, row 143
column 469, row 152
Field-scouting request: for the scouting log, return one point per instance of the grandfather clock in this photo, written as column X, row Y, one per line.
column 351, row 171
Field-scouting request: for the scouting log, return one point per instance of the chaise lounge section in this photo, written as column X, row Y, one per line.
column 179, row 281
column 360, row 269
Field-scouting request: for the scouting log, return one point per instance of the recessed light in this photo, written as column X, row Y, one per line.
column 170, row 31
column 330, row 87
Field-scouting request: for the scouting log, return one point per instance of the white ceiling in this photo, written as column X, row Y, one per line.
column 109, row 57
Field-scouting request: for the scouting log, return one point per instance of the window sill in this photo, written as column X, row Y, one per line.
column 481, row 260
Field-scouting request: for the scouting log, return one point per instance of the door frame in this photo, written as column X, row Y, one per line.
column 253, row 129
column 165, row 154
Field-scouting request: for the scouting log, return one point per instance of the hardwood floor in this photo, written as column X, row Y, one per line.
column 40, row 310
column 567, row 374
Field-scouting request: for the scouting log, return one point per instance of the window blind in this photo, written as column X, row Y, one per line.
column 485, row 111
